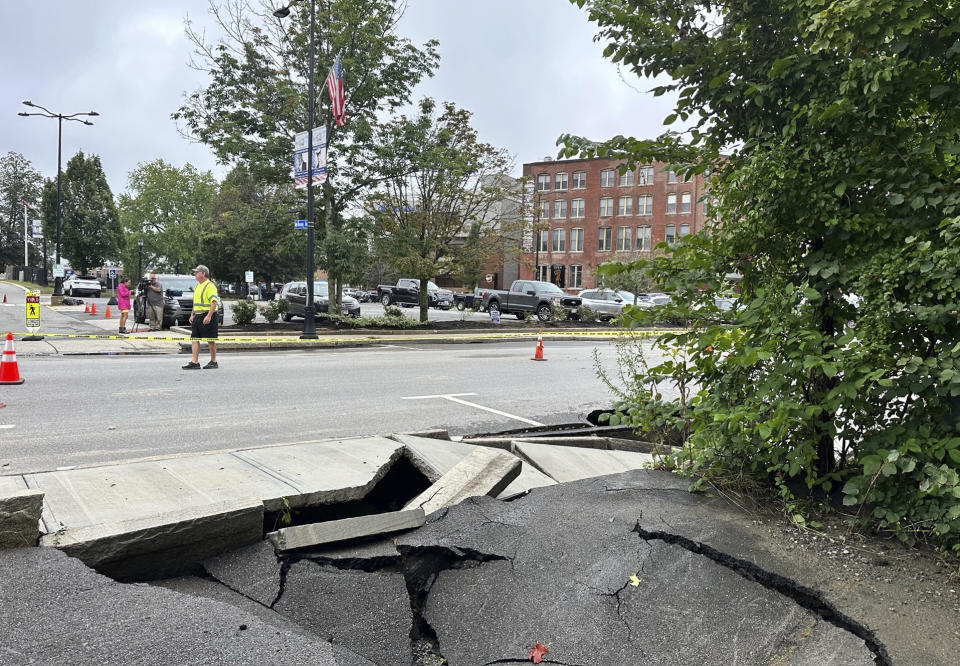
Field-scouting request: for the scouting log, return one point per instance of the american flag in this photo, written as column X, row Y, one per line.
column 335, row 90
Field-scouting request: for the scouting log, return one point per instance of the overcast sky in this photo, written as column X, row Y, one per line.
column 529, row 70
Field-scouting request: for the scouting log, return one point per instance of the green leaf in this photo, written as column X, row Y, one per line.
column 888, row 469
column 811, row 294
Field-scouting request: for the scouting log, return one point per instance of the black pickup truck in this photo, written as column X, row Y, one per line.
column 407, row 292
column 530, row 297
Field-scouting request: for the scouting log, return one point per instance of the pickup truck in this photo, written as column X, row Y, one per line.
column 530, row 297
column 407, row 292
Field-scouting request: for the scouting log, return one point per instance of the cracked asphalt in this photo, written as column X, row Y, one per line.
column 626, row 569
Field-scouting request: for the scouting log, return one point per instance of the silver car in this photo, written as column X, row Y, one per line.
column 607, row 303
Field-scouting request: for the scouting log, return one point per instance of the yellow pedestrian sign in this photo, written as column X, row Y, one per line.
column 32, row 311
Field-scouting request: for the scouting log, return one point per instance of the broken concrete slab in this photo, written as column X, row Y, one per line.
column 163, row 544
column 20, row 518
column 435, row 458
column 332, row 531
column 57, row 611
column 596, row 554
column 327, row 472
column 13, row 483
column 567, row 463
column 253, row 570
column 482, row 472
column 367, row 613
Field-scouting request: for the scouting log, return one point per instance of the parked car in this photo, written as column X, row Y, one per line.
column 353, row 293
column 82, row 285
column 528, row 297
column 608, row 303
column 296, row 295
column 407, row 292
column 171, row 308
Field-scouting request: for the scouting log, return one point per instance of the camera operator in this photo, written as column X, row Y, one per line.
column 154, row 303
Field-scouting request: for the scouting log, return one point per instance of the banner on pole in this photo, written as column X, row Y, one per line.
column 317, row 161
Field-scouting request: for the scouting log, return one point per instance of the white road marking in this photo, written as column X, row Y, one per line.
column 452, row 397
column 7, row 425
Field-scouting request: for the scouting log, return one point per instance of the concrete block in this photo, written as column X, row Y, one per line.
column 583, row 442
column 12, row 483
column 317, row 534
column 20, row 518
column 164, row 544
column 568, row 463
column 483, row 472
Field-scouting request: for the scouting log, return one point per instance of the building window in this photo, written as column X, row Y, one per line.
column 671, row 236
column 684, row 230
column 576, row 240
column 560, row 182
column 576, row 208
column 544, row 207
column 624, row 244
column 671, row 177
column 576, row 276
column 543, row 240
column 543, row 182
column 645, row 204
column 625, row 206
column 626, row 179
column 560, row 209
column 543, row 273
column 559, row 240
column 604, row 238
column 645, row 175
column 606, row 206
column 643, row 239
column 671, row 204
column 685, row 200
column 579, row 180
column 606, row 178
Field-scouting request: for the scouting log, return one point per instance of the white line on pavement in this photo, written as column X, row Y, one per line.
column 7, row 425
column 452, row 397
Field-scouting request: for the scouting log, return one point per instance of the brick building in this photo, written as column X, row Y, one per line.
column 590, row 213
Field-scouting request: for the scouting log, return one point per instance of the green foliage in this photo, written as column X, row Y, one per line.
column 19, row 181
column 840, row 210
column 90, row 231
column 393, row 311
column 244, row 312
column 588, row 315
column 274, row 309
column 167, row 208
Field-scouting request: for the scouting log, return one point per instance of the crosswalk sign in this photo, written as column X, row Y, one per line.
column 32, row 310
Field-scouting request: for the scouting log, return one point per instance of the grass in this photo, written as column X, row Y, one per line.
column 30, row 285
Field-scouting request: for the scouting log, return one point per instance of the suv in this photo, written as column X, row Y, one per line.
column 179, row 289
column 85, row 285
column 296, row 294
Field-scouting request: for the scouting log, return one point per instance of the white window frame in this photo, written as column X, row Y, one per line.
column 576, row 209
column 684, row 230
column 644, row 237
column 624, row 239
column 576, row 239
column 645, row 204
column 580, row 176
column 606, row 206
column 672, row 203
column 560, row 209
column 559, row 240
column 604, row 234
column 625, row 210
column 670, row 235
column 560, row 181
column 575, row 277
column 543, row 182
column 686, row 200
column 645, row 175
column 544, row 206
column 625, row 179
column 543, row 271
column 607, row 178
column 671, row 177
column 543, row 242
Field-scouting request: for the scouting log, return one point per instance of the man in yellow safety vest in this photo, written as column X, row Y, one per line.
column 203, row 319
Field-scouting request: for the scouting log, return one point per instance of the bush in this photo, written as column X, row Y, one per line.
column 275, row 309
column 588, row 315
column 393, row 311
column 244, row 312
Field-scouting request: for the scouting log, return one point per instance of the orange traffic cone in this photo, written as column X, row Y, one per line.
column 86, row 310
column 9, row 373
column 106, row 315
column 93, row 309
column 538, row 354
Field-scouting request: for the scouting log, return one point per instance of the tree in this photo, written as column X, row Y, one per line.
column 250, row 228
column 167, row 207
column 831, row 135
column 255, row 102
column 443, row 183
column 18, row 182
column 90, row 231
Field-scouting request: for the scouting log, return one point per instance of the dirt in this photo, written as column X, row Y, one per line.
column 910, row 597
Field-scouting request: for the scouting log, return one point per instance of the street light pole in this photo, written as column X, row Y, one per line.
column 47, row 113
column 309, row 323
column 139, row 257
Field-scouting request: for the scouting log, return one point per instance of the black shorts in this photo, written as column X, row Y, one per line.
column 201, row 330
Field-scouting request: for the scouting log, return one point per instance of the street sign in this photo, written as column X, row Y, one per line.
column 249, row 276
column 58, row 270
column 494, row 316
column 112, row 273
column 32, row 311
column 299, row 224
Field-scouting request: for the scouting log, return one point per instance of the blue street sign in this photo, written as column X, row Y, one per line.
column 113, row 273
column 300, row 224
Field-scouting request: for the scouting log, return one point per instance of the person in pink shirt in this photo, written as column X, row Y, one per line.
column 123, row 303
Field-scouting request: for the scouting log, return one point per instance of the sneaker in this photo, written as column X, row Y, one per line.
column 191, row 366
column 212, row 365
